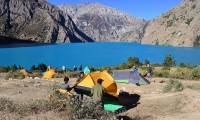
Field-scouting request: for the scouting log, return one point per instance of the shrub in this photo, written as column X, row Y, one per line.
column 173, row 86
column 156, row 65
column 146, row 61
column 161, row 73
column 41, row 67
column 194, row 87
column 33, row 107
column 133, row 61
column 197, row 41
column 58, row 75
column 122, row 67
column 6, row 104
column 181, row 73
column 4, row 69
column 15, row 75
column 183, row 65
column 169, row 61
column 36, row 73
column 72, row 74
column 85, row 109
column 196, row 73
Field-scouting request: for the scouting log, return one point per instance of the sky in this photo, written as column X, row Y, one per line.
column 147, row 9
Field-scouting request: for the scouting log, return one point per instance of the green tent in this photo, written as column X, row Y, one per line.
column 86, row 70
column 130, row 77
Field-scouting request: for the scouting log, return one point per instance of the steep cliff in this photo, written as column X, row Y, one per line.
column 38, row 21
column 103, row 23
column 179, row 26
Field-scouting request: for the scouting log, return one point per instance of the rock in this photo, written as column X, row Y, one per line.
column 36, row 84
column 162, row 81
column 36, row 78
column 177, row 27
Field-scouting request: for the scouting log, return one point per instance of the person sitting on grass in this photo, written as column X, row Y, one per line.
column 65, row 85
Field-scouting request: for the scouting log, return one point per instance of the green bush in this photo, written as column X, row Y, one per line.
column 181, row 73
column 15, row 75
column 36, row 73
column 72, row 74
column 4, row 69
column 194, row 87
column 169, row 61
column 196, row 73
column 161, row 73
column 173, row 86
column 33, row 107
column 133, row 61
column 156, row 65
column 85, row 109
column 122, row 67
column 58, row 75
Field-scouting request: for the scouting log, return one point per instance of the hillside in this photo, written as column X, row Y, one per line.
column 103, row 23
column 36, row 21
column 179, row 26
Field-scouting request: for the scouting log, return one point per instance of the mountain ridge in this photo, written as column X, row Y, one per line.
column 37, row 21
column 180, row 26
column 103, row 23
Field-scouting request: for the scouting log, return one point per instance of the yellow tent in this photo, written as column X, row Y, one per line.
column 24, row 72
column 90, row 80
column 49, row 74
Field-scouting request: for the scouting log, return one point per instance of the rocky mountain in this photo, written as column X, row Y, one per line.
column 179, row 26
column 37, row 21
column 103, row 23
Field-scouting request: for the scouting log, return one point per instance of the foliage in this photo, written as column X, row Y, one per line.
column 4, row 69
column 197, row 41
column 194, row 87
column 122, row 67
column 33, row 68
column 29, row 108
column 15, row 75
column 133, row 61
column 188, row 21
column 58, row 75
column 85, row 109
column 36, row 73
column 169, row 61
column 40, row 66
column 181, row 73
column 72, row 74
column 14, row 67
column 173, row 86
column 156, row 65
column 183, row 65
column 161, row 73
column 146, row 61
column 196, row 72
column 169, row 23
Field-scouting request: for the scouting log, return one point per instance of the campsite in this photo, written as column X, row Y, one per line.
column 153, row 103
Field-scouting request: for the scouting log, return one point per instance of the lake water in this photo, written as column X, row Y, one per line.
column 94, row 54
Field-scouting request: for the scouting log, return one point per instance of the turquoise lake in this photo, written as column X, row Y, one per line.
column 94, row 54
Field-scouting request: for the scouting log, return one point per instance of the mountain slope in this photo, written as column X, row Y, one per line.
column 38, row 21
column 103, row 23
column 179, row 26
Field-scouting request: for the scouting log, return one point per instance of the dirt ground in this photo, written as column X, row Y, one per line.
column 153, row 103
